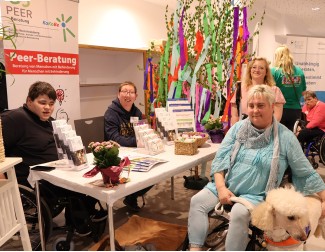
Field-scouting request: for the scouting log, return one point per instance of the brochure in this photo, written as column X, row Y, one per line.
column 143, row 164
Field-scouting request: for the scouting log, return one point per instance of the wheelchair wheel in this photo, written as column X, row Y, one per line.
column 51, row 199
column 322, row 150
column 61, row 244
column 28, row 198
column 296, row 127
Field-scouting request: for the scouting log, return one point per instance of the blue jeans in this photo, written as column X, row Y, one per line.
column 201, row 204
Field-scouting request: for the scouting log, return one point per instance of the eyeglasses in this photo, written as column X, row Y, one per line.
column 125, row 92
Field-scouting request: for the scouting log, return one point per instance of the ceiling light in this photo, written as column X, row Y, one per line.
column 315, row 9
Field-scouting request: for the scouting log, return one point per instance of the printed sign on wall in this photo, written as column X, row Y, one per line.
column 309, row 55
column 46, row 49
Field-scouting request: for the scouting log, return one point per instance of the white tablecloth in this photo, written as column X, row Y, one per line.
column 73, row 180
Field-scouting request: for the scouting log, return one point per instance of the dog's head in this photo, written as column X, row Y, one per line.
column 283, row 209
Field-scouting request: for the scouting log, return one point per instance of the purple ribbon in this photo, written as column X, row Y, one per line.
column 245, row 29
column 151, row 81
column 181, row 41
column 235, row 33
column 198, row 124
column 207, row 103
column 145, row 87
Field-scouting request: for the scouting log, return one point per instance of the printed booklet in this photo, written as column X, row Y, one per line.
column 143, row 164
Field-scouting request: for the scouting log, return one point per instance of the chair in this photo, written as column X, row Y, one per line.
column 314, row 148
column 90, row 130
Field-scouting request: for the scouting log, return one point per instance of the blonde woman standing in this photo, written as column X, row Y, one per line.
column 257, row 72
column 291, row 80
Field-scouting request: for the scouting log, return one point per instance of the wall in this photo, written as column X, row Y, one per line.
column 101, row 72
column 267, row 41
column 122, row 24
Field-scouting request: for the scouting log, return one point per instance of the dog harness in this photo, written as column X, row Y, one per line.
column 288, row 242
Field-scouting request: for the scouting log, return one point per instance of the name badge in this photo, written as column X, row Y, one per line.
column 134, row 119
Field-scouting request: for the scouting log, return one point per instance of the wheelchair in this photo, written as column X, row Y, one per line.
column 218, row 228
column 314, row 148
column 51, row 206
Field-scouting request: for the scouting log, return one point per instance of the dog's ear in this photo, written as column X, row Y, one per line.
column 262, row 216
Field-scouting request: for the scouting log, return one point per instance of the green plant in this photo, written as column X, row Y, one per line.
column 220, row 59
column 213, row 123
column 105, row 153
column 8, row 32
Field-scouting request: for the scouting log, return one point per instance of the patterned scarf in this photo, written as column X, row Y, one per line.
column 253, row 138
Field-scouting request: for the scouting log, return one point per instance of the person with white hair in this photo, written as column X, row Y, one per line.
column 251, row 160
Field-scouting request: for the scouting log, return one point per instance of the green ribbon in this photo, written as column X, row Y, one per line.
column 208, row 69
column 197, row 67
column 205, row 26
column 166, row 58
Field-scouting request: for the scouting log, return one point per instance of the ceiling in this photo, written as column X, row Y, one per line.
column 298, row 15
column 293, row 13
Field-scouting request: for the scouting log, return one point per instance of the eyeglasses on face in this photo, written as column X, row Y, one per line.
column 125, row 92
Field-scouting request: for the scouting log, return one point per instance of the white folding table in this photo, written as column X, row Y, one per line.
column 74, row 181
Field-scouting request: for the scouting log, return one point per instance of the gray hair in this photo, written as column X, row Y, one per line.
column 261, row 90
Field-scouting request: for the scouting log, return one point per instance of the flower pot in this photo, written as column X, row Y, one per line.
column 216, row 135
column 111, row 174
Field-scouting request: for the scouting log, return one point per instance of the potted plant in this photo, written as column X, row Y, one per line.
column 108, row 162
column 214, row 128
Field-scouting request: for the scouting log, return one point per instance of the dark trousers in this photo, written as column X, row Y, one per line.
column 306, row 135
column 289, row 117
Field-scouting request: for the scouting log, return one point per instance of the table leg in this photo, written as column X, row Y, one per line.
column 172, row 188
column 203, row 169
column 40, row 224
column 111, row 227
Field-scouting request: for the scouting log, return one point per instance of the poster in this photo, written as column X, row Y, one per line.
column 46, row 49
column 309, row 54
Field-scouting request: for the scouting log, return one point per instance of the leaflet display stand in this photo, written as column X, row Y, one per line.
column 12, row 218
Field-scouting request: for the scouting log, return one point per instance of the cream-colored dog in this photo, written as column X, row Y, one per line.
column 288, row 219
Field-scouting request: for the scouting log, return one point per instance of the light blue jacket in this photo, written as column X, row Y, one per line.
column 249, row 175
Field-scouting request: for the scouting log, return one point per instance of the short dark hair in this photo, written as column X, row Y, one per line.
column 125, row 83
column 41, row 88
column 310, row 93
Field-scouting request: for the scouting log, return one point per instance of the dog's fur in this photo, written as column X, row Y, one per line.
column 286, row 213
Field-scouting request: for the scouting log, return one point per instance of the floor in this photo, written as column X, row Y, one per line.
column 159, row 206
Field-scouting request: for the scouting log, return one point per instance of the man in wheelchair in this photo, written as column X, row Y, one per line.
column 28, row 133
column 251, row 160
column 314, row 126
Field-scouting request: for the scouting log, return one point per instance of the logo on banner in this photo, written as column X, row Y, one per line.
column 65, row 28
column 24, row 4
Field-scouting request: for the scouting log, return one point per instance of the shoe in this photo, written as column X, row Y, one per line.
column 131, row 204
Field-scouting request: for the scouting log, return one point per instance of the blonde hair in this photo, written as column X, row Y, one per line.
column 268, row 79
column 283, row 59
column 261, row 90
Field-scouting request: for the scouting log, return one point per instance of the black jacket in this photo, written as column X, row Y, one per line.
column 26, row 136
column 117, row 124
